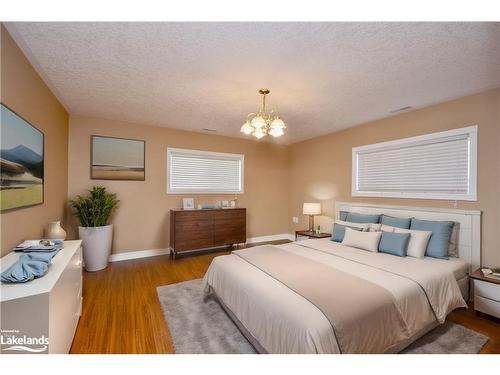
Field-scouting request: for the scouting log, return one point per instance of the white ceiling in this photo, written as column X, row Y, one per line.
column 323, row 76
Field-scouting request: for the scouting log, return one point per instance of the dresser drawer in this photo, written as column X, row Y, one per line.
column 232, row 223
column 194, row 216
column 229, row 235
column 194, row 233
column 487, row 306
column 230, row 214
column 64, row 305
column 191, row 226
column 487, row 290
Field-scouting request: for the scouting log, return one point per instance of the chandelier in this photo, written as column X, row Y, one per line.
column 262, row 123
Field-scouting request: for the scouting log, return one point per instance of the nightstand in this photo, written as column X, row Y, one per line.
column 310, row 234
column 486, row 294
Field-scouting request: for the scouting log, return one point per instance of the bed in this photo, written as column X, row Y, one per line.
column 318, row 296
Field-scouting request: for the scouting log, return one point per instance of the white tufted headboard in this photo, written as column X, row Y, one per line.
column 469, row 237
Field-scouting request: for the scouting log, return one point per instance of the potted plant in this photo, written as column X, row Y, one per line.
column 94, row 212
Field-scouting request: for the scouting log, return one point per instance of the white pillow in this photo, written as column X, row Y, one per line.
column 381, row 227
column 387, row 228
column 364, row 227
column 418, row 242
column 362, row 240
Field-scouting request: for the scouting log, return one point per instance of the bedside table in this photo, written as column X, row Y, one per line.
column 309, row 234
column 486, row 294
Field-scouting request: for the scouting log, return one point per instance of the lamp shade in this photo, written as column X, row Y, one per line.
column 311, row 209
column 278, row 123
column 276, row 132
column 258, row 122
column 258, row 133
column 246, row 128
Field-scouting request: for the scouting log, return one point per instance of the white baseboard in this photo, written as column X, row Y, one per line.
column 155, row 252
column 138, row 254
column 274, row 237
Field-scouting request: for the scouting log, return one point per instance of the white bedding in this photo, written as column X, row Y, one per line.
column 285, row 322
column 457, row 266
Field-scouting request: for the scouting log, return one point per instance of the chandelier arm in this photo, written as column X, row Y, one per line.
column 251, row 115
column 275, row 113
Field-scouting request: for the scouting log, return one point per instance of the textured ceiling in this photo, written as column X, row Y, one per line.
column 323, row 76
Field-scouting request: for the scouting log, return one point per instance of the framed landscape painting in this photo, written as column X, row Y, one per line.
column 21, row 162
column 117, row 158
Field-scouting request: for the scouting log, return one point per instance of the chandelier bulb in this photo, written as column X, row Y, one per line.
column 246, row 128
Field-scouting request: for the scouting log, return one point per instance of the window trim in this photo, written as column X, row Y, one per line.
column 470, row 131
column 240, row 157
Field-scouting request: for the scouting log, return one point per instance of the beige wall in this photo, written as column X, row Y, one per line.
column 320, row 168
column 24, row 92
column 278, row 179
column 142, row 219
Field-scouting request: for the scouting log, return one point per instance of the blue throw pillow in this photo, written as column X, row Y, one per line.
column 343, row 215
column 363, row 219
column 440, row 238
column 398, row 222
column 338, row 232
column 394, row 243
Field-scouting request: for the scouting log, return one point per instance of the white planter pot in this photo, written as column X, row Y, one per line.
column 96, row 243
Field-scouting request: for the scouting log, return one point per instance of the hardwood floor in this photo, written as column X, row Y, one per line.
column 122, row 314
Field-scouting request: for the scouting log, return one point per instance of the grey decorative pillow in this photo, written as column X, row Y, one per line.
column 453, row 245
column 399, row 222
column 343, row 215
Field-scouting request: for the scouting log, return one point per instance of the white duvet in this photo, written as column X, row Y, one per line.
column 282, row 321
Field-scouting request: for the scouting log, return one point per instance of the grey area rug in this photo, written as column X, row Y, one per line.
column 198, row 324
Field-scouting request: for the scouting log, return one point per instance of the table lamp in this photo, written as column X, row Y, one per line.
column 311, row 209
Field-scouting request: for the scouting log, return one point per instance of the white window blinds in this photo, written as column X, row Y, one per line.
column 192, row 171
column 434, row 166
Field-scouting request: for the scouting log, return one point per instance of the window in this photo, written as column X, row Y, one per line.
column 192, row 171
column 434, row 166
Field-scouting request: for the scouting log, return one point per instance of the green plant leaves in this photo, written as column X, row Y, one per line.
column 95, row 209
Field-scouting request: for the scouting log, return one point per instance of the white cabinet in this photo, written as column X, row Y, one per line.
column 487, row 297
column 41, row 315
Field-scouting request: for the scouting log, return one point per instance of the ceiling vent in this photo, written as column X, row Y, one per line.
column 401, row 109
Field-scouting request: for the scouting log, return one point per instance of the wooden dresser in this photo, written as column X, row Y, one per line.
column 192, row 230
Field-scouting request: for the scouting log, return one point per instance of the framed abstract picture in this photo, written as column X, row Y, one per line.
column 21, row 162
column 117, row 158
